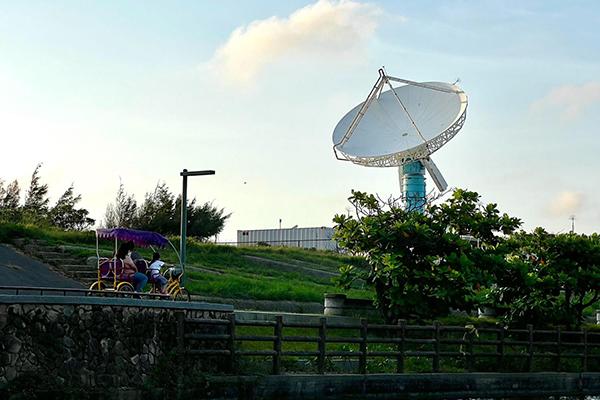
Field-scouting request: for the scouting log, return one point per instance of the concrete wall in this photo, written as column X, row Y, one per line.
column 428, row 386
column 340, row 305
column 90, row 341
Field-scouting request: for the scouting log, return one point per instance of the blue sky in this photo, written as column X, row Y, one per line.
column 106, row 90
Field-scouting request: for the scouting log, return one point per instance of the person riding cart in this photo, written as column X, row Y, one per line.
column 122, row 273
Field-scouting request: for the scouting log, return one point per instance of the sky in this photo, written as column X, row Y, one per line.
column 108, row 91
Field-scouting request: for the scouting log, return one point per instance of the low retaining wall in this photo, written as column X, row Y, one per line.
column 343, row 387
column 428, row 386
column 87, row 342
column 340, row 305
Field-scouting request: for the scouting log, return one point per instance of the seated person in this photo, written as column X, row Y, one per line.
column 130, row 271
column 136, row 256
column 154, row 272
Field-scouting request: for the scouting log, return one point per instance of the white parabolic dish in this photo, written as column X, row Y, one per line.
column 386, row 136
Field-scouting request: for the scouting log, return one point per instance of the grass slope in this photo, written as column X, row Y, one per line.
column 225, row 271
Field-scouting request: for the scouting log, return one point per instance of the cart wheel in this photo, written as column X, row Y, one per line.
column 125, row 287
column 182, row 295
column 96, row 286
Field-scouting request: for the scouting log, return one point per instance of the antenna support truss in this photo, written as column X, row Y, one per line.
column 393, row 159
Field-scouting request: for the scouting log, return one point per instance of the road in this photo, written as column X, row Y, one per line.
column 17, row 269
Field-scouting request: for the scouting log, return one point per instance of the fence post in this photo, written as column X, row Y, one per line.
column 500, row 347
column 585, row 349
column 362, row 361
column 530, row 347
column 436, row 347
column 180, row 317
column 470, row 353
column 400, row 359
column 231, row 344
column 277, row 345
column 322, row 338
column 558, row 346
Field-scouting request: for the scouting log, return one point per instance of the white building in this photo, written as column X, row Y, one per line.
column 308, row 238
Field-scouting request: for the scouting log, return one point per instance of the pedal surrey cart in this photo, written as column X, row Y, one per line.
column 110, row 270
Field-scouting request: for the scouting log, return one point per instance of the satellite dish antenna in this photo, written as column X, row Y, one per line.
column 401, row 127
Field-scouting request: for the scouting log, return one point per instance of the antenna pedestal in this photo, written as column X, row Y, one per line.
column 412, row 184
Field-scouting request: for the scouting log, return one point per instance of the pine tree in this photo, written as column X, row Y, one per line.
column 204, row 221
column 12, row 196
column 9, row 202
column 64, row 215
column 123, row 212
column 36, row 200
column 157, row 211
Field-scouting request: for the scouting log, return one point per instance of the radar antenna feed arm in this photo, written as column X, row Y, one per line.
column 435, row 174
column 361, row 112
column 423, row 85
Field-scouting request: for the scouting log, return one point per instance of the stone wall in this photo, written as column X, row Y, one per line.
column 87, row 342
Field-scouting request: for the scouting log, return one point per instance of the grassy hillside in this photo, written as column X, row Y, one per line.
column 261, row 273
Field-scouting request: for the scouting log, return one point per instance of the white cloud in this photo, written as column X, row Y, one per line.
column 326, row 29
column 569, row 100
column 566, row 203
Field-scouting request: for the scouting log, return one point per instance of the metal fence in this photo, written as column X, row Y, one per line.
column 301, row 243
column 442, row 348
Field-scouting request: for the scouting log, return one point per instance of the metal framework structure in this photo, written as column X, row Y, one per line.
column 420, row 152
column 413, row 157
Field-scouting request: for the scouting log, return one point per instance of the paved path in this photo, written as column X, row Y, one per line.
column 17, row 269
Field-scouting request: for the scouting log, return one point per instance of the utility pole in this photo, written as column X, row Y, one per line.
column 183, row 223
column 280, row 234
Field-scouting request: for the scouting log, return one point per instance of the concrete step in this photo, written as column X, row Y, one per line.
column 19, row 242
column 59, row 261
column 78, row 267
column 54, row 257
column 27, row 242
column 35, row 249
column 50, row 254
column 83, row 275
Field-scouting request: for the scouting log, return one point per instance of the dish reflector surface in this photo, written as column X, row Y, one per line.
column 386, row 136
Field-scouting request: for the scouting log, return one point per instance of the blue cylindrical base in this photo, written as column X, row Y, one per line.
column 413, row 185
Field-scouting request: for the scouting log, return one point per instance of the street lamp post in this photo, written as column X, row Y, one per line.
column 183, row 224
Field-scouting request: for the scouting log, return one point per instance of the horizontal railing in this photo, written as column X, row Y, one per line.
column 42, row 291
column 463, row 348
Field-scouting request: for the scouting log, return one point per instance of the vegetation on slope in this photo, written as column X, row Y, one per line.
column 260, row 273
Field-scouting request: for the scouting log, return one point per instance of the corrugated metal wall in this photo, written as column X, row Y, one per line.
column 308, row 238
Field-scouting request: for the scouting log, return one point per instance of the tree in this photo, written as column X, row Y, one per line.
column 64, row 215
column 123, row 212
column 157, row 213
column 35, row 210
column 161, row 212
column 423, row 264
column 36, row 199
column 9, row 202
column 12, row 196
column 551, row 278
column 206, row 220
column 203, row 221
